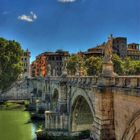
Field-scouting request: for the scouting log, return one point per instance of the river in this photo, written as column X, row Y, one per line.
column 15, row 125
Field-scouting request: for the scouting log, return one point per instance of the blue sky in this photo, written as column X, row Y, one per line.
column 72, row 25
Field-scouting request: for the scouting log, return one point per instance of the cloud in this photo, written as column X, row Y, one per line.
column 28, row 18
column 66, row 1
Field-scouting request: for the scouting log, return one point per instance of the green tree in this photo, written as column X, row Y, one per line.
column 134, row 67
column 131, row 67
column 74, row 63
column 93, row 65
column 137, row 68
column 118, row 64
column 10, row 62
column 127, row 65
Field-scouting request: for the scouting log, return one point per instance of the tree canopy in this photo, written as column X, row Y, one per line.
column 85, row 66
column 74, row 63
column 93, row 65
column 118, row 64
column 10, row 62
column 131, row 67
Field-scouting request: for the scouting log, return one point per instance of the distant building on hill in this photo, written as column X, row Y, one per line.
column 119, row 47
column 133, row 51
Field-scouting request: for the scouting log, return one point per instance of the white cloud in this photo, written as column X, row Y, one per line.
column 66, row 1
column 28, row 18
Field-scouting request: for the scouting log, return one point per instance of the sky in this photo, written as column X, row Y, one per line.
column 71, row 25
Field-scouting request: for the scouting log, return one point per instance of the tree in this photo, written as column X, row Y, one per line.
column 134, row 67
column 130, row 67
column 74, row 64
column 118, row 64
column 127, row 66
column 137, row 68
column 93, row 65
column 10, row 62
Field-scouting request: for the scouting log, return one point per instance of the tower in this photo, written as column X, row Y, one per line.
column 26, row 63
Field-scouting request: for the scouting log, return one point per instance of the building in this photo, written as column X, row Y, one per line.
column 41, row 65
column 33, row 69
column 54, row 59
column 133, row 51
column 97, row 51
column 26, row 63
column 119, row 47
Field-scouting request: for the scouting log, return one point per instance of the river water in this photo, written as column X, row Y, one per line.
column 15, row 125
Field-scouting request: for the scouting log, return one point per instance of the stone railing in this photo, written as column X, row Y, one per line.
column 53, row 78
column 127, row 81
column 91, row 81
column 86, row 81
column 120, row 81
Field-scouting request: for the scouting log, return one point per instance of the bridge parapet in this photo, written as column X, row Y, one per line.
column 82, row 81
column 89, row 81
column 54, row 78
column 127, row 81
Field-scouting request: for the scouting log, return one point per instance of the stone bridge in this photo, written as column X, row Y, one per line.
column 107, row 106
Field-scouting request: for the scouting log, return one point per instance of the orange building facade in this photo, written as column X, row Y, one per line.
column 41, row 65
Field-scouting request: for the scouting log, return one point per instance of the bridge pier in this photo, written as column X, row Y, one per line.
column 103, row 124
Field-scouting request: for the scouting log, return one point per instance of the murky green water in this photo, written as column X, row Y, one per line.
column 14, row 126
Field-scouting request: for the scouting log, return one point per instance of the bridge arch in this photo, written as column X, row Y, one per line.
column 82, row 112
column 132, row 132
